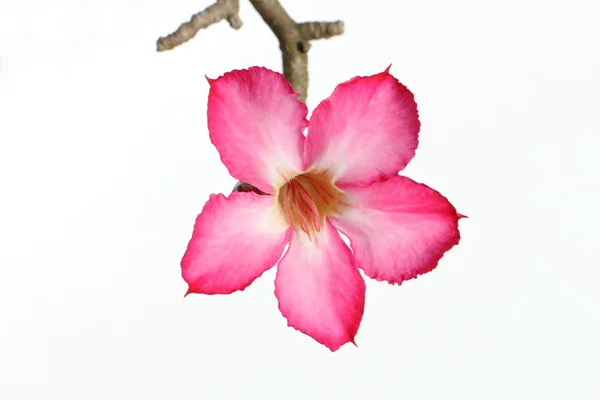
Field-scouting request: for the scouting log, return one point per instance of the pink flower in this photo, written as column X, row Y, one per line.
column 342, row 176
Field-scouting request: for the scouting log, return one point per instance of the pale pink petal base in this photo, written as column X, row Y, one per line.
column 320, row 292
column 235, row 241
column 365, row 131
column 256, row 122
column 398, row 228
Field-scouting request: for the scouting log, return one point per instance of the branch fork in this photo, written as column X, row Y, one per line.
column 294, row 38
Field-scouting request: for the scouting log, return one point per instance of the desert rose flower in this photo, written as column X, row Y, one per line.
column 342, row 176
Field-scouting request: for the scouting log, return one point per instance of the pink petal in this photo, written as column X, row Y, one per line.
column 320, row 292
column 399, row 228
column 235, row 240
column 365, row 131
column 255, row 121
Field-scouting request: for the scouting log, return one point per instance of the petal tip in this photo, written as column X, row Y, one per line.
column 335, row 347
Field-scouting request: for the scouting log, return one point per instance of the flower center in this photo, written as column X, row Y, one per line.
column 307, row 199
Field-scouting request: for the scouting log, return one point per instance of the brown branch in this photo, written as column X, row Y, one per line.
column 222, row 9
column 294, row 40
column 321, row 30
column 292, row 44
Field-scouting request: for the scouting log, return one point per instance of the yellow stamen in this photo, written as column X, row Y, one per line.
column 307, row 199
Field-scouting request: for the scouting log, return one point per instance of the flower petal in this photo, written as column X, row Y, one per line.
column 255, row 121
column 320, row 292
column 235, row 240
column 399, row 228
column 365, row 131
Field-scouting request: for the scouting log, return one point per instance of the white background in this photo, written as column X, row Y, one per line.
column 105, row 161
